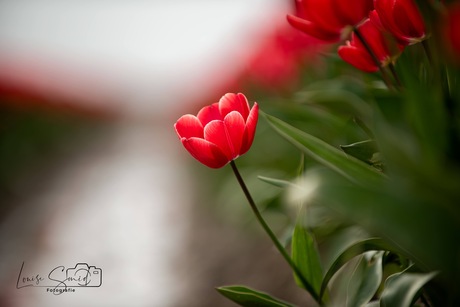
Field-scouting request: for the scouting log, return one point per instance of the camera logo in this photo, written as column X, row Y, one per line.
column 83, row 275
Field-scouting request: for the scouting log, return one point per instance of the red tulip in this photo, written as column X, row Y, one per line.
column 402, row 19
column 220, row 132
column 452, row 30
column 326, row 19
column 355, row 53
column 276, row 65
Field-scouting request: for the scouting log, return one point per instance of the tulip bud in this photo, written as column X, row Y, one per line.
column 402, row 19
column 326, row 19
column 383, row 49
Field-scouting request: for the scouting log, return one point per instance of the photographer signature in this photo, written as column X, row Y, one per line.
column 82, row 275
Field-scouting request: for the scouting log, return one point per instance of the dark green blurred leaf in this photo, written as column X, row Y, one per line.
column 413, row 227
column 318, row 121
column 306, row 256
column 349, row 167
column 250, row 298
column 366, row 279
column 401, row 289
column 337, row 99
column 340, row 95
column 363, row 151
column 423, row 104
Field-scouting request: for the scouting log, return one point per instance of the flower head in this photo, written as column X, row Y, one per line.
column 220, row 132
column 402, row 19
column 451, row 30
column 384, row 49
column 326, row 19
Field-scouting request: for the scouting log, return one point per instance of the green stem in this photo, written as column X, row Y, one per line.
column 272, row 236
column 374, row 57
column 395, row 75
column 427, row 50
column 363, row 126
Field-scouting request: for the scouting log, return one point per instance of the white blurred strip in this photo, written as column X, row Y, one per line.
column 122, row 206
column 148, row 51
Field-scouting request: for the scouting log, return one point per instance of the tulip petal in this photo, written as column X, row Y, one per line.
column 348, row 16
column 372, row 34
column 402, row 18
column 209, row 113
column 205, row 152
column 409, row 20
column 312, row 29
column 234, row 102
column 451, row 29
column 250, row 129
column 189, row 126
column 387, row 44
column 215, row 139
column 216, row 133
column 357, row 57
column 235, row 127
column 322, row 14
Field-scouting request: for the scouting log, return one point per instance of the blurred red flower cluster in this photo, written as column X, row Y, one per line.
column 380, row 28
column 278, row 60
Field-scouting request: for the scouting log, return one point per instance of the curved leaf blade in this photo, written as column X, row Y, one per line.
column 251, row 298
column 366, row 279
column 401, row 288
column 372, row 244
column 363, row 151
column 306, row 256
column 348, row 166
column 280, row 183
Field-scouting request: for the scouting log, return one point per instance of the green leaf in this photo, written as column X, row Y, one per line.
column 276, row 182
column 389, row 214
column 401, row 289
column 349, row 253
column 306, row 256
column 251, row 298
column 338, row 97
column 349, row 167
column 366, row 279
column 363, row 151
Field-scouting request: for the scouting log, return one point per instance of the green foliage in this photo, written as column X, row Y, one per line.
column 401, row 289
column 361, row 247
column 384, row 161
column 365, row 279
column 305, row 255
column 250, row 298
column 349, row 167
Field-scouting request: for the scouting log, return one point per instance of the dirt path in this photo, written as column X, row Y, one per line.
column 124, row 204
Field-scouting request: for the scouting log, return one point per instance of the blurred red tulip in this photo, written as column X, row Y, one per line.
column 278, row 60
column 326, row 19
column 452, row 30
column 402, row 19
column 355, row 52
column 220, row 132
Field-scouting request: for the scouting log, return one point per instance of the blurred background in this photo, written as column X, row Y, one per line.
column 91, row 170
